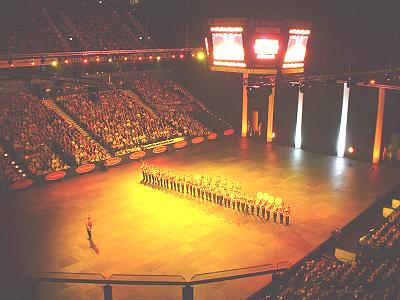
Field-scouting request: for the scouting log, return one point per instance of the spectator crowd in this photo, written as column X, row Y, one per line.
column 375, row 274
column 41, row 139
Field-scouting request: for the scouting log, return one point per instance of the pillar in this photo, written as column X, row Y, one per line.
column 341, row 144
column 255, row 120
column 270, row 122
column 244, row 106
column 379, row 125
column 107, row 290
column 187, row 292
column 299, row 120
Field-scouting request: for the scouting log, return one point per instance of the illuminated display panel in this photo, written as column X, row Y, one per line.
column 296, row 50
column 228, row 47
column 265, row 48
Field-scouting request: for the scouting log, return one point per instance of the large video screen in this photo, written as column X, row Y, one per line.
column 296, row 50
column 266, row 48
column 228, row 48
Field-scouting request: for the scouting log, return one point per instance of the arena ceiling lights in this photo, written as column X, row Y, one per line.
column 110, row 56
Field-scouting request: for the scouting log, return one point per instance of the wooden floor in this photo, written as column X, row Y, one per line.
column 140, row 230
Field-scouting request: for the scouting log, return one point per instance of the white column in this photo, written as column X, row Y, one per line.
column 244, row 106
column 270, row 121
column 376, row 155
column 341, row 144
column 297, row 138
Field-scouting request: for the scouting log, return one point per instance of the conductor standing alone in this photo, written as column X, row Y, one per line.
column 89, row 225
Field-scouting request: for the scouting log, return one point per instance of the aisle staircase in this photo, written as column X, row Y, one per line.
column 135, row 97
column 50, row 104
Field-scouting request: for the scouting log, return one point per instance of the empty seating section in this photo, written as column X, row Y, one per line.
column 39, row 27
column 26, row 32
column 118, row 120
column 101, row 28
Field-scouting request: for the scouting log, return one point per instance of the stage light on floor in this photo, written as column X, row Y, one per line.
column 341, row 144
column 351, row 150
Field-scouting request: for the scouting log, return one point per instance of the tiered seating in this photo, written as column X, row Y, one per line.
column 374, row 275
column 8, row 172
column 41, row 138
column 101, row 28
column 118, row 120
column 25, row 30
column 166, row 99
column 23, row 126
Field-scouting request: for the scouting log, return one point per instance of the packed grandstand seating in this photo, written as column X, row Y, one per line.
column 8, row 170
column 42, row 140
column 119, row 120
column 40, row 27
column 375, row 274
column 172, row 104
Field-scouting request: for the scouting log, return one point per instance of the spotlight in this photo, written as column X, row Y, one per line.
column 200, row 56
column 173, row 56
column 140, row 58
column 273, row 134
column 66, row 61
column 23, row 175
column 110, row 60
column 54, row 63
column 5, row 154
column 13, row 162
column 140, row 37
column 97, row 59
column 193, row 54
column 181, row 56
column 32, row 62
column 125, row 58
column 350, row 82
column 150, row 57
column 351, row 150
column 158, row 58
column 372, row 81
column 85, row 60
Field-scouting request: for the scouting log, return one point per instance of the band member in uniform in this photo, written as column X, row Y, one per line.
column 281, row 210
column 275, row 212
column 89, row 225
column 287, row 215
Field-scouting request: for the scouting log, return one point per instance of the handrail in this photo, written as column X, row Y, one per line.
column 141, row 280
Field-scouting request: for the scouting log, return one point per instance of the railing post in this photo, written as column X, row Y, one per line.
column 187, row 292
column 107, row 289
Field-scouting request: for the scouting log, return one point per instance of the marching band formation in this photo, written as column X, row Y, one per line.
column 220, row 191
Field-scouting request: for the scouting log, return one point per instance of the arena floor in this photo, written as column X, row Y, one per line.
column 141, row 230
